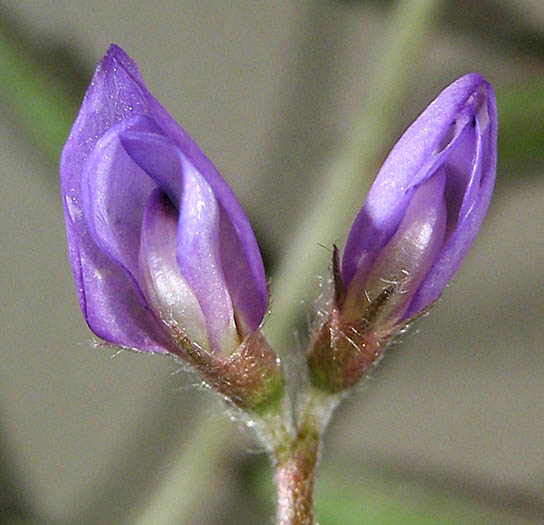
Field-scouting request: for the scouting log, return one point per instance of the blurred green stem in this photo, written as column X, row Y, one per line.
column 44, row 106
column 183, row 488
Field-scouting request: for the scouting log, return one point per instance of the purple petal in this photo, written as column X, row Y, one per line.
column 460, row 175
column 164, row 162
column 473, row 209
column 106, row 296
column 115, row 190
column 117, row 93
column 415, row 157
column 164, row 287
column 251, row 310
column 408, row 256
column 246, row 292
column 199, row 259
column 159, row 157
column 112, row 309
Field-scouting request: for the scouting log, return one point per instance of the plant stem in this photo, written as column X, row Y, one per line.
column 341, row 194
column 295, row 460
column 295, row 474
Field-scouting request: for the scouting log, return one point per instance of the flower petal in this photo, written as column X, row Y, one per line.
column 405, row 260
column 199, row 259
column 248, row 254
column 117, row 93
column 164, row 162
column 106, row 296
column 115, row 190
column 473, row 208
column 461, row 174
column 416, row 155
column 159, row 157
column 246, row 293
column 164, row 287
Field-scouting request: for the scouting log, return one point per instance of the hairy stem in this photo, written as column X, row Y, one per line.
column 296, row 460
column 295, row 474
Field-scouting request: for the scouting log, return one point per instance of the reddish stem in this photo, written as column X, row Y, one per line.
column 295, row 474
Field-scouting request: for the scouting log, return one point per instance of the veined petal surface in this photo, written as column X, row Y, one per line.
column 455, row 135
column 122, row 146
column 198, row 256
column 108, row 299
column 420, row 148
column 160, row 157
column 229, row 205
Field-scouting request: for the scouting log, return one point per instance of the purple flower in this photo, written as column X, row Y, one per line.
column 424, row 208
column 160, row 248
column 419, row 219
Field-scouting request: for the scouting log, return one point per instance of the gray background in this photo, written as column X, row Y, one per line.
column 268, row 90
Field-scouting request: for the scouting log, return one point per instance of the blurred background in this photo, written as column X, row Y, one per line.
column 449, row 429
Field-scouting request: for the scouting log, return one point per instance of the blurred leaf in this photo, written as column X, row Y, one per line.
column 498, row 23
column 356, row 504
column 521, row 126
column 43, row 106
column 353, row 496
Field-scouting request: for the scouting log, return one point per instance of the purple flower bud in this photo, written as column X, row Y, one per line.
column 418, row 221
column 160, row 248
column 425, row 206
